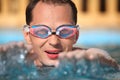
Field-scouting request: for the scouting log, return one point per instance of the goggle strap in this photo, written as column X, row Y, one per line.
column 26, row 28
column 78, row 27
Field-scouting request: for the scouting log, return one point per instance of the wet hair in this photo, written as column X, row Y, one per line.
column 33, row 3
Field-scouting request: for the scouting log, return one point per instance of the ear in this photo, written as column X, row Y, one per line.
column 76, row 36
column 27, row 37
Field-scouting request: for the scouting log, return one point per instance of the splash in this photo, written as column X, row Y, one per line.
column 14, row 66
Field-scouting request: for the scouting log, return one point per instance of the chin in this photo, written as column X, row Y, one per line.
column 50, row 62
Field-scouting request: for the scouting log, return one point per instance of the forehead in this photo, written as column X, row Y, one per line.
column 42, row 5
column 51, row 13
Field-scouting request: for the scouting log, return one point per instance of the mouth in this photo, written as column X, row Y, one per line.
column 52, row 54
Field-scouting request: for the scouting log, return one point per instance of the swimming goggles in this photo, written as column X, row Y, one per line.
column 43, row 31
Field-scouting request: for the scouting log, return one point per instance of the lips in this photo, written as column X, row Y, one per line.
column 52, row 54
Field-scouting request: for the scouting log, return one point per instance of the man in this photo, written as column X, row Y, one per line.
column 52, row 31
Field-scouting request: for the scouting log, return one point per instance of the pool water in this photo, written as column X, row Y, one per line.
column 13, row 66
column 10, row 35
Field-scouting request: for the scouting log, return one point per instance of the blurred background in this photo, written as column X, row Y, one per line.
column 99, row 22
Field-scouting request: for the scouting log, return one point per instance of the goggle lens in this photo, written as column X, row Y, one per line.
column 40, row 31
column 65, row 32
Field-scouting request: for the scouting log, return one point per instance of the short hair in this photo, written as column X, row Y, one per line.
column 33, row 3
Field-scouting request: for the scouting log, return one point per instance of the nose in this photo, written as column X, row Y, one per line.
column 54, row 40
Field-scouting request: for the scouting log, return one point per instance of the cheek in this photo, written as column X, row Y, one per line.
column 68, row 43
column 71, row 40
column 37, row 43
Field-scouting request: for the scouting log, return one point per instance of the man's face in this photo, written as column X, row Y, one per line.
column 52, row 16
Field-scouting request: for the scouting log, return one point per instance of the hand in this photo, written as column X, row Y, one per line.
column 11, row 45
column 91, row 54
column 5, row 47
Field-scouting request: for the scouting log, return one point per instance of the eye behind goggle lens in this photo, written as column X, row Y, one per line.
column 41, row 32
column 65, row 32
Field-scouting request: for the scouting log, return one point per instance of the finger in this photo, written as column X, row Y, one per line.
column 102, row 56
column 29, row 48
column 12, row 44
column 110, row 62
column 37, row 63
column 79, row 54
column 94, row 53
column 5, row 47
column 62, row 55
column 20, row 44
column 67, row 55
column 99, row 52
column 70, row 54
column 32, row 57
column 0, row 48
